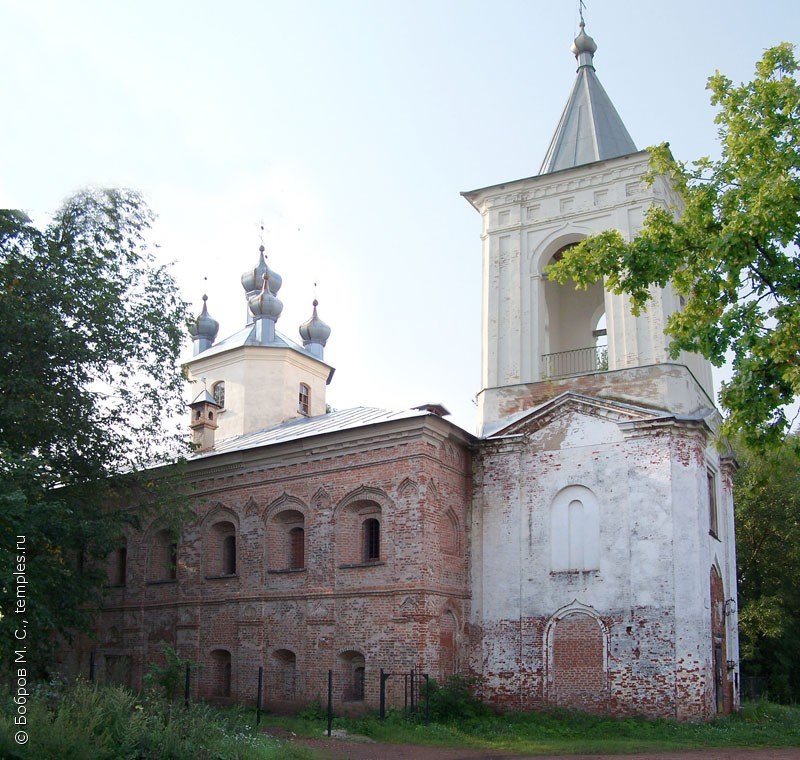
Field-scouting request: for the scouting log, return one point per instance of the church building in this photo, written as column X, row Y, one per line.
column 578, row 551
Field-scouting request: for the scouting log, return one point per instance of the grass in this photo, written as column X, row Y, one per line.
column 759, row 724
column 96, row 722
column 88, row 722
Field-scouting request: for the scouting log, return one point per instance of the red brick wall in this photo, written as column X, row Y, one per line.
column 335, row 612
column 578, row 678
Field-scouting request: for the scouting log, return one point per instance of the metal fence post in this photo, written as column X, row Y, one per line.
column 427, row 700
column 260, row 693
column 330, row 700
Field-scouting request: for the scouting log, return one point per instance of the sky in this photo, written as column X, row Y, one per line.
column 348, row 128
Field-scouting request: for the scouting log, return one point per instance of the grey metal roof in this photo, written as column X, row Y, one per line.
column 305, row 427
column 204, row 397
column 590, row 129
column 248, row 336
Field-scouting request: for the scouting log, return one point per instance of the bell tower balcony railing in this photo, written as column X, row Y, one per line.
column 579, row 361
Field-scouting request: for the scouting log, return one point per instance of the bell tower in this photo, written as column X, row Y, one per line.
column 535, row 331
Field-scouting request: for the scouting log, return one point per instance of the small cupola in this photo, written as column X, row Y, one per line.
column 584, row 48
column 315, row 333
column 204, row 411
column 203, row 330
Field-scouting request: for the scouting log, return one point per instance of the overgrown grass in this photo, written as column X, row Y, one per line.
column 98, row 722
column 564, row 732
column 95, row 723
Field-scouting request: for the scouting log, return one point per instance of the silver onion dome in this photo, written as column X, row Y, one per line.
column 252, row 279
column 314, row 330
column 265, row 305
column 205, row 326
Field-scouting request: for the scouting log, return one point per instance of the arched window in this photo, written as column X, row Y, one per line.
column 351, row 674
column 371, row 540
column 297, row 548
column 569, row 335
column 304, row 397
column 118, row 565
column 220, row 673
column 358, row 531
column 286, row 541
column 284, row 673
column 218, row 392
column 450, row 533
column 163, row 565
column 448, row 628
column 221, row 549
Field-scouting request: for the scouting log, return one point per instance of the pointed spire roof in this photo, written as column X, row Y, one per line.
column 590, row 128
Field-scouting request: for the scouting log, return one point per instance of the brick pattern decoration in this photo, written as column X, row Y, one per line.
column 337, row 612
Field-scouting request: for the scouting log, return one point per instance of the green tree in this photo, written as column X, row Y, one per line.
column 733, row 251
column 767, row 503
column 90, row 330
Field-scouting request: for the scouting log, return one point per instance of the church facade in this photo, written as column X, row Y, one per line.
column 578, row 551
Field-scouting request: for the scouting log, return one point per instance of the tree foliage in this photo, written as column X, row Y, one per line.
column 90, row 330
column 733, row 251
column 767, row 502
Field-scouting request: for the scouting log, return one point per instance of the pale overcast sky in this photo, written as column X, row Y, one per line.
column 350, row 127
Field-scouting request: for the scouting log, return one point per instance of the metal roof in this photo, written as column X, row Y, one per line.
column 248, row 336
column 590, row 129
column 305, row 427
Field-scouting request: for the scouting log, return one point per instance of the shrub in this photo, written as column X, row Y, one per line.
column 453, row 700
column 168, row 678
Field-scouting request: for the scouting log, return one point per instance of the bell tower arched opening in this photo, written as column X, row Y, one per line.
column 574, row 339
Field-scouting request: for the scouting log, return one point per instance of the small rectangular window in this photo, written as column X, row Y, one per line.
column 229, row 555
column 713, row 521
column 120, row 566
column 304, row 399
column 297, row 549
column 372, row 540
column 172, row 568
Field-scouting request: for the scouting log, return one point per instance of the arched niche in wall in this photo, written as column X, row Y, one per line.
column 574, row 530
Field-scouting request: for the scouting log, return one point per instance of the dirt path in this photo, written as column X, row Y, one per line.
column 347, row 749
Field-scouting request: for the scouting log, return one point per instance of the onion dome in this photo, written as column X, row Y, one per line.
column 204, row 329
column 584, row 47
column 315, row 330
column 265, row 305
column 252, row 279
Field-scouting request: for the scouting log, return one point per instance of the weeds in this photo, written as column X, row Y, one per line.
column 88, row 722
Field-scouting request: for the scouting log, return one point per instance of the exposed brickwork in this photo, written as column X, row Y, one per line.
column 579, row 674
column 466, row 576
column 342, row 610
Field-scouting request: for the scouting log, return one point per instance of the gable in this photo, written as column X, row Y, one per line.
column 572, row 419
